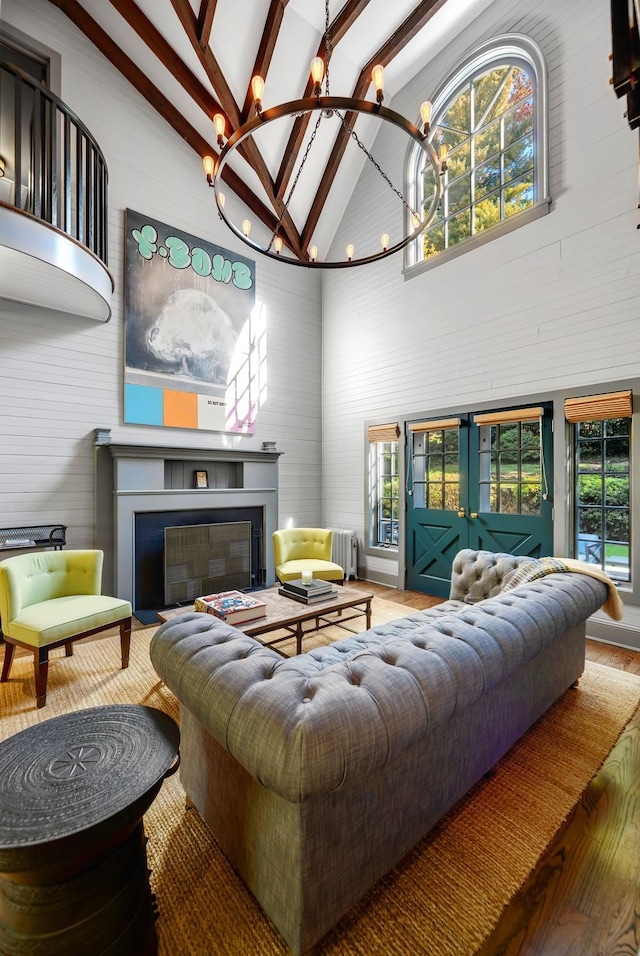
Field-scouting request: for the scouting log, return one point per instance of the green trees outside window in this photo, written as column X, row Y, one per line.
column 511, row 469
column 489, row 130
column 602, row 484
column 386, row 494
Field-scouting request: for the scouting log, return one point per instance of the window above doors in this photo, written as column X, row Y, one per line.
column 492, row 115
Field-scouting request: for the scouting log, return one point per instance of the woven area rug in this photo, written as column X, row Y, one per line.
column 443, row 899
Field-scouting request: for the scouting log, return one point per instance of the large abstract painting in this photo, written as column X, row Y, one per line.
column 192, row 332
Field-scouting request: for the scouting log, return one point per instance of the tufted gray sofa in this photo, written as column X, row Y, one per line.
column 317, row 773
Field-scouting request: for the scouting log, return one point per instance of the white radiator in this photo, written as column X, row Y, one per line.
column 345, row 551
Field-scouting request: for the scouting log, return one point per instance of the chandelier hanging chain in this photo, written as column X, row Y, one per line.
column 364, row 149
column 328, row 48
column 328, row 51
column 327, row 106
column 295, row 181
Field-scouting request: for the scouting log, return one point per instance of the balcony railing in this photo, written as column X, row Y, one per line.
column 53, row 167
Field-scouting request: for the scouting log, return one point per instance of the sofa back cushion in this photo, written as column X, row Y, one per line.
column 476, row 575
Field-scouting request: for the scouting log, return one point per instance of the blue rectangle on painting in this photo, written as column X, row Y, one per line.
column 142, row 405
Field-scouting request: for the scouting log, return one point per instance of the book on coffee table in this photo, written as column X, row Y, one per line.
column 234, row 607
column 308, row 588
column 310, row 598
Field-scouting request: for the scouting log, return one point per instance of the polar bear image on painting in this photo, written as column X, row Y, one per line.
column 195, row 335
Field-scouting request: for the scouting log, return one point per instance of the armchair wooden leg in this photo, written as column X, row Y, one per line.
column 125, row 641
column 41, row 669
column 9, row 650
column 68, row 649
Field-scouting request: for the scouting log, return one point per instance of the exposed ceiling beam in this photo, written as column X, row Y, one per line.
column 340, row 26
column 219, row 83
column 265, row 51
column 248, row 149
column 205, row 21
column 167, row 55
column 390, row 49
column 103, row 42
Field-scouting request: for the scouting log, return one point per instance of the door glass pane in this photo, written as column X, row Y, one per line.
column 442, row 471
column 451, row 496
column 509, row 499
column 515, row 468
column 436, row 497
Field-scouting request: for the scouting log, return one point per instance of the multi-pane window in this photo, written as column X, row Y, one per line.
column 491, row 116
column 385, row 493
column 436, row 469
column 488, row 129
column 602, row 483
column 511, row 468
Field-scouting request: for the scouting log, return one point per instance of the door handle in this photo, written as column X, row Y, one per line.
column 461, row 514
column 473, row 514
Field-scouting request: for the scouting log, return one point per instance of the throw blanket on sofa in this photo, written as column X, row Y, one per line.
column 538, row 567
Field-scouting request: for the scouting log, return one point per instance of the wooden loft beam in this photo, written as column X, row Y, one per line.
column 103, row 42
column 405, row 32
column 340, row 26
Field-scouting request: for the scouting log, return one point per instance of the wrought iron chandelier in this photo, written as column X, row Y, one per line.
column 328, row 108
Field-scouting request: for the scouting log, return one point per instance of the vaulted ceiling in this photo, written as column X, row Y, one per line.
column 193, row 58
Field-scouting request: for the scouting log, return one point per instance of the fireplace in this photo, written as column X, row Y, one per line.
column 186, row 580
column 141, row 490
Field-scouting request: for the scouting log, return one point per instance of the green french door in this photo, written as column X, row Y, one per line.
column 479, row 481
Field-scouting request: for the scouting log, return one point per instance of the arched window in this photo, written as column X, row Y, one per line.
column 491, row 116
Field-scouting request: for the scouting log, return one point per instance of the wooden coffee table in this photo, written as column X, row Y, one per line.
column 285, row 614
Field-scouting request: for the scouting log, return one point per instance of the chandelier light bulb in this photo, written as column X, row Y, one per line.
column 444, row 150
column 317, row 74
column 257, row 88
column 207, row 162
column 425, row 115
column 377, row 75
column 316, row 98
column 218, row 125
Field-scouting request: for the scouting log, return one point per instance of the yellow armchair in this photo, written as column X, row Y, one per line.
column 305, row 549
column 52, row 598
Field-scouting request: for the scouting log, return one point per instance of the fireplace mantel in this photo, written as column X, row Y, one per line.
column 131, row 479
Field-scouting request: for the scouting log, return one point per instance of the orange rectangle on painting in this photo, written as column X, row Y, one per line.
column 180, row 409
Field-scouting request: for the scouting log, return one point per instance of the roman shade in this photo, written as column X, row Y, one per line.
column 513, row 415
column 434, row 426
column 388, row 432
column 590, row 408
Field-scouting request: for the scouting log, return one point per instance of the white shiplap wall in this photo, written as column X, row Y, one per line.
column 62, row 377
column 550, row 307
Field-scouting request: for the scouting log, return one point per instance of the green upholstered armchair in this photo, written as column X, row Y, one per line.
column 52, row 598
column 305, row 549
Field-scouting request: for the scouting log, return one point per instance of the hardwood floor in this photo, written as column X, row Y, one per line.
column 583, row 899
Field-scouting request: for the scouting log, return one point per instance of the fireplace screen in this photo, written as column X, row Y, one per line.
column 204, row 558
